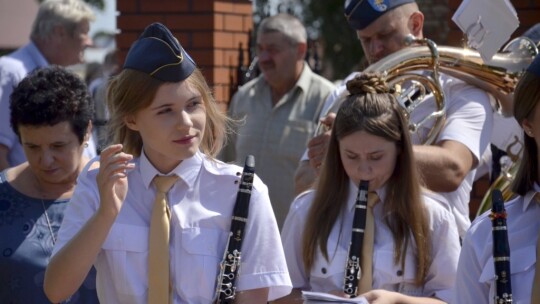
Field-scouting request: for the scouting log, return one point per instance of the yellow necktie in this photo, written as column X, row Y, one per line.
column 366, row 263
column 158, row 256
column 535, row 291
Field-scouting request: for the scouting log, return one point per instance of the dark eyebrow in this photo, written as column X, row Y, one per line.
column 58, row 142
column 161, row 106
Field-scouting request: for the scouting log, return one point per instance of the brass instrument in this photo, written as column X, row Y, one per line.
column 509, row 169
column 498, row 77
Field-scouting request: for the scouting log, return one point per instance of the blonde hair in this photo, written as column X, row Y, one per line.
column 371, row 107
column 132, row 91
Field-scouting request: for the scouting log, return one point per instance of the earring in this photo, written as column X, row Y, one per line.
column 85, row 144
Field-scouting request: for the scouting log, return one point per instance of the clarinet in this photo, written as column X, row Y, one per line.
column 352, row 266
column 501, row 250
column 225, row 289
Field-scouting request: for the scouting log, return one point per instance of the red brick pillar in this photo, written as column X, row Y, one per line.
column 210, row 31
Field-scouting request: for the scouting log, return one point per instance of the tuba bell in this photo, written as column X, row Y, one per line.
column 499, row 76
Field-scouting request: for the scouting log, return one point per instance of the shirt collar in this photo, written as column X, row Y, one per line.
column 353, row 193
column 305, row 78
column 187, row 170
column 529, row 196
column 36, row 54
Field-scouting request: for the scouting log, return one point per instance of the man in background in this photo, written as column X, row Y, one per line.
column 279, row 109
column 59, row 36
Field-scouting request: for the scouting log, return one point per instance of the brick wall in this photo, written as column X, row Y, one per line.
column 209, row 30
column 436, row 14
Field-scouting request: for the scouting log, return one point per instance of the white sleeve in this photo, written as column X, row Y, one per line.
column 469, row 118
column 82, row 205
column 263, row 263
column 445, row 251
column 291, row 237
column 468, row 288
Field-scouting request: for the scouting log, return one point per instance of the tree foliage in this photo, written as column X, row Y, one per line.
column 341, row 48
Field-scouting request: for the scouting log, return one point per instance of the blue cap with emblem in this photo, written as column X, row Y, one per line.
column 534, row 68
column 158, row 53
column 361, row 13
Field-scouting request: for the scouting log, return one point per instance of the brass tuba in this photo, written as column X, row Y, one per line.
column 498, row 77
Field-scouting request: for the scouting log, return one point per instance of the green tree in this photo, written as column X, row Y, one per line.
column 342, row 52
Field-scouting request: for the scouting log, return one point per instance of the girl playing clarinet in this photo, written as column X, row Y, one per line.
column 167, row 129
column 416, row 242
column 476, row 271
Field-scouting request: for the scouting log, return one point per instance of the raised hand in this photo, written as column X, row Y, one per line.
column 112, row 179
column 318, row 144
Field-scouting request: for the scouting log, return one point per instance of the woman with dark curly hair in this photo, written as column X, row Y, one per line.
column 50, row 113
column 412, row 256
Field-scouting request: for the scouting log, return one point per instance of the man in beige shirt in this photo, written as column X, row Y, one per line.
column 279, row 110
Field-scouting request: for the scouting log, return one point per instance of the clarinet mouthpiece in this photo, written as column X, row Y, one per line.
column 250, row 161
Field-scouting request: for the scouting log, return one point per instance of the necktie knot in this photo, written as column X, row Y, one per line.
column 373, row 199
column 164, row 183
column 537, row 198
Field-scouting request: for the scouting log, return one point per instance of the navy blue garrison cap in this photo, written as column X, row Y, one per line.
column 535, row 66
column 361, row 13
column 158, row 53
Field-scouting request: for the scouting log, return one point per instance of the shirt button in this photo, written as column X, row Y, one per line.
column 323, row 270
column 399, row 273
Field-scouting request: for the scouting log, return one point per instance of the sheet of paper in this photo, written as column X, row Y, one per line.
column 311, row 297
column 488, row 24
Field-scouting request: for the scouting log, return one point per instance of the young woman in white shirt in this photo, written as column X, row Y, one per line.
column 164, row 121
column 416, row 243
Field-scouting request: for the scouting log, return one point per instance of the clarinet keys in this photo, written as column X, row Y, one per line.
column 501, row 250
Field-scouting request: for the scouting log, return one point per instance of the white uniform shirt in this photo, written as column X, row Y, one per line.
column 13, row 68
column 469, row 120
column 475, row 281
column 201, row 204
column 327, row 276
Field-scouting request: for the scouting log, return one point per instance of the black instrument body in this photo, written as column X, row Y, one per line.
column 501, row 250
column 352, row 267
column 226, row 289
